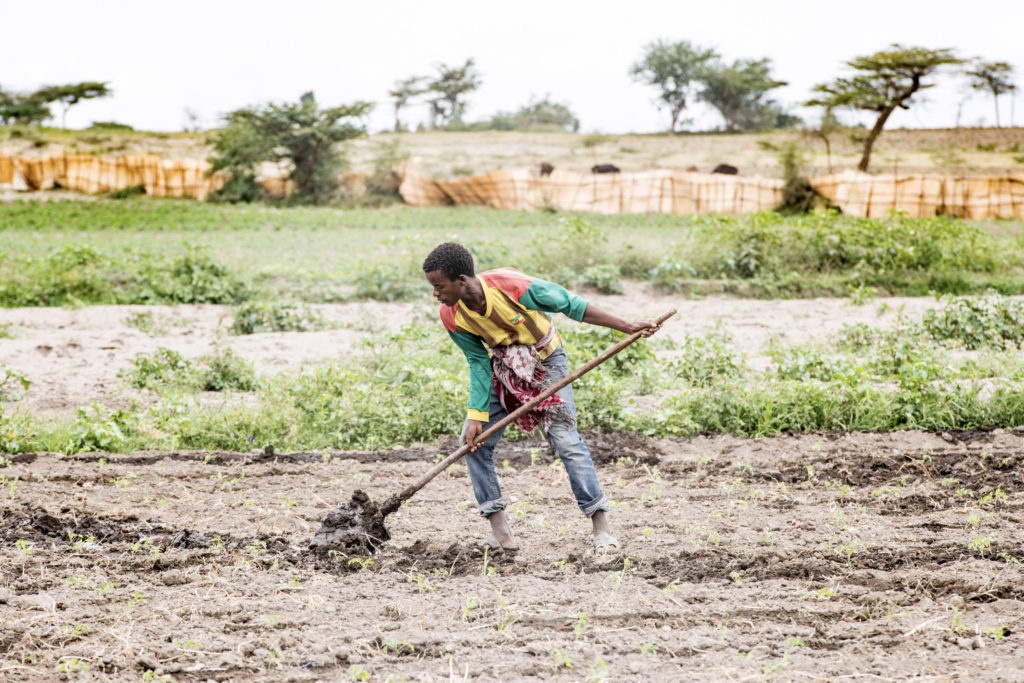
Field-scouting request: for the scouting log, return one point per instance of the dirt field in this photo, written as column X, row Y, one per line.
column 817, row 557
column 812, row 557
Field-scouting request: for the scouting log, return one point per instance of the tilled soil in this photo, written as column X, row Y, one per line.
column 799, row 557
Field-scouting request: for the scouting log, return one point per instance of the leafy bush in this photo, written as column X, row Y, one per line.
column 707, row 358
column 98, row 428
column 266, row 316
column 670, row 274
column 227, row 370
column 989, row 321
column 605, row 278
column 162, row 368
column 82, row 274
column 807, row 364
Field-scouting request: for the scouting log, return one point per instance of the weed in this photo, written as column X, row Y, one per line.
column 266, row 316
column 423, row 584
column 562, row 660
column 505, row 614
column 582, row 625
column 468, row 605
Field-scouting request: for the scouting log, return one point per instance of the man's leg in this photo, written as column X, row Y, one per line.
column 484, row 477
column 575, row 456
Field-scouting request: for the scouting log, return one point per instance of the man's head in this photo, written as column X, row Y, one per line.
column 449, row 269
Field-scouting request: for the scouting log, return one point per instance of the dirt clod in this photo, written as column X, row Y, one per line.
column 354, row 528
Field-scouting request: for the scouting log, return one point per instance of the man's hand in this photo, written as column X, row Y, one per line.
column 470, row 431
column 597, row 316
column 648, row 327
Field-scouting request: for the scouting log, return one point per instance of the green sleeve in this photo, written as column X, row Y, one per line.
column 479, row 407
column 549, row 297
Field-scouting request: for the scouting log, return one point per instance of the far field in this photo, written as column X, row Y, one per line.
column 444, row 154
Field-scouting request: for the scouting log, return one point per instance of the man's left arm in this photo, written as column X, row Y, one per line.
column 550, row 297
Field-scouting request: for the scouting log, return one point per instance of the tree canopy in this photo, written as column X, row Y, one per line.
column 70, row 95
column 738, row 91
column 675, row 68
column 302, row 134
column 450, row 88
column 881, row 83
column 404, row 90
column 994, row 77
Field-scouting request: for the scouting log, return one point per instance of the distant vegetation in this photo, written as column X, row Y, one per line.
column 163, row 251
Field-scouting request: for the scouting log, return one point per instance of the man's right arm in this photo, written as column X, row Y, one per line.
column 479, row 406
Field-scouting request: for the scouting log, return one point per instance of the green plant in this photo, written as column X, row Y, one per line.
column 505, row 613
column 164, row 367
column 387, row 282
column 227, row 370
column 562, row 660
column 605, row 278
column 98, row 428
column 264, row 316
column 303, row 134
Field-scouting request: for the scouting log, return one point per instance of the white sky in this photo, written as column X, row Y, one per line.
column 218, row 55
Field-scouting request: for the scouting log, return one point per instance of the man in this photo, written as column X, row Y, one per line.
column 502, row 313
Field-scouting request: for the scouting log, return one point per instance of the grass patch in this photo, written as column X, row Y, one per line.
column 148, row 250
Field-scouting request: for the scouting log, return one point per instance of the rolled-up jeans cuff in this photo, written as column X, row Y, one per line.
column 600, row 505
column 490, row 507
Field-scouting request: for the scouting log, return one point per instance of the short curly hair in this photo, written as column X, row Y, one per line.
column 451, row 258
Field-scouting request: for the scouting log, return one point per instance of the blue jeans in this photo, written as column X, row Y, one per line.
column 564, row 437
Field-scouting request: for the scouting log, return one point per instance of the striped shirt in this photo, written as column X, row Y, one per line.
column 515, row 314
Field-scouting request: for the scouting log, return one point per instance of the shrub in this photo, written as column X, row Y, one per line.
column 98, row 428
column 162, row 368
column 706, row 358
column 989, row 321
column 227, row 370
column 264, row 316
column 605, row 278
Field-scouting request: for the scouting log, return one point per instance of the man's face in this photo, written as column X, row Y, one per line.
column 448, row 292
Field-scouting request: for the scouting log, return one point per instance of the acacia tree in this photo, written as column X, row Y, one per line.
column 738, row 91
column 450, row 88
column 995, row 77
column 302, row 134
column 674, row 68
column 404, row 90
column 883, row 82
column 69, row 95
column 16, row 108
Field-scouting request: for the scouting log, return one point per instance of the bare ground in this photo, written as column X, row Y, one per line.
column 799, row 558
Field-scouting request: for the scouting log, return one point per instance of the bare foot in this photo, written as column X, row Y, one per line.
column 603, row 538
column 501, row 532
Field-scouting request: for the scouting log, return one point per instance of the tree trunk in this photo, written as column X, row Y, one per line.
column 995, row 98
column 870, row 142
column 398, row 123
column 675, row 120
column 828, row 153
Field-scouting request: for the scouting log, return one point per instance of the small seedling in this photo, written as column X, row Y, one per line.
column 562, row 660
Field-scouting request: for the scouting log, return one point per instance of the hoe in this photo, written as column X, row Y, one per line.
column 357, row 526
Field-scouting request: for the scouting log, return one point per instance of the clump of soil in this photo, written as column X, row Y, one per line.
column 355, row 527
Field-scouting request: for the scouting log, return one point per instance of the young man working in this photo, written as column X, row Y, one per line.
column 502, row 313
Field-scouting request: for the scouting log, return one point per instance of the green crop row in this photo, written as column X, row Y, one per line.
column 410, row 387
